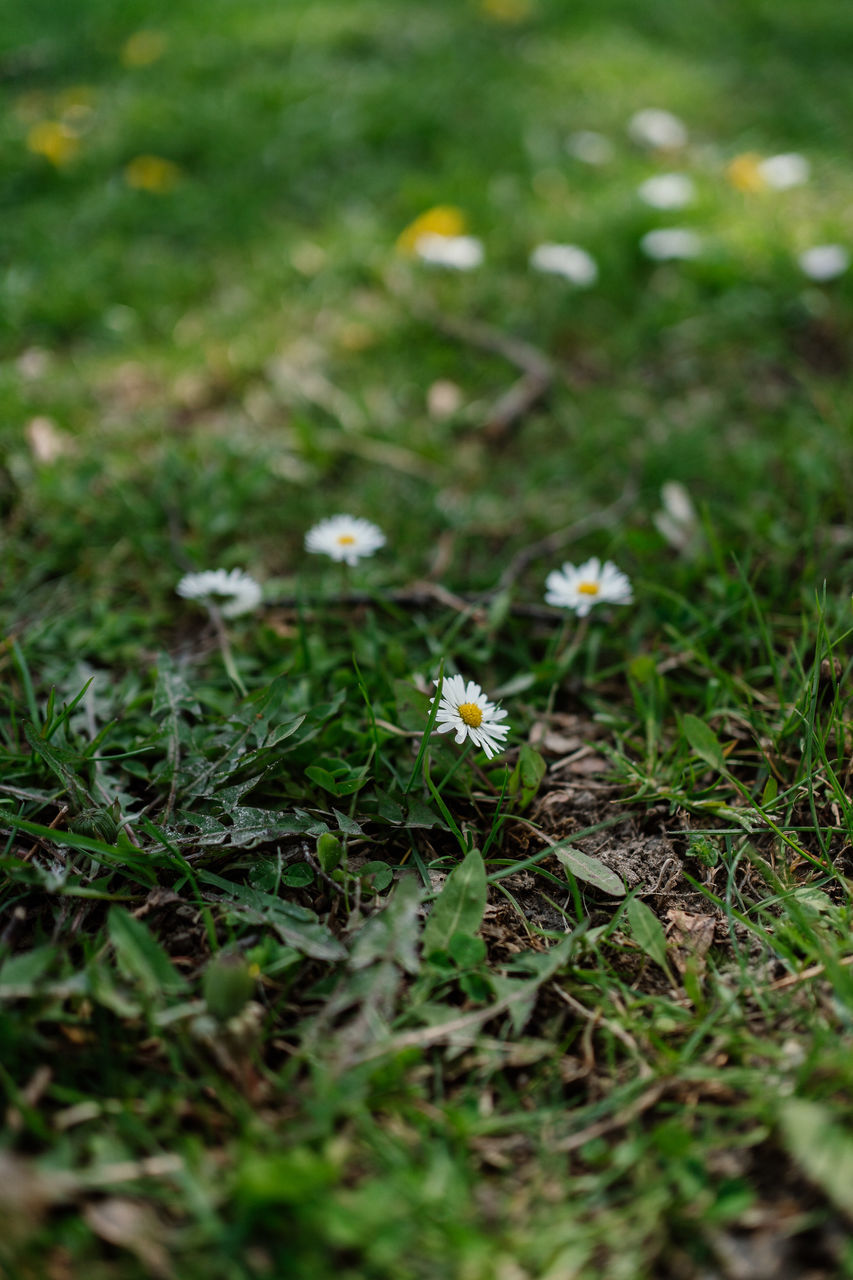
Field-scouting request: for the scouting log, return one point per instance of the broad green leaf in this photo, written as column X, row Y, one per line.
column 647, row 930
column 591, row 870
column 460, row 905
column 173, row 697
column 140, row 955
column 818, row 1141
column 392, row 933
column 704, row 742
column 467, row 950
column 24, row 970
column 296, row 926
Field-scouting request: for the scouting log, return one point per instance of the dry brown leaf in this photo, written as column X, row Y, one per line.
column 131, row 1226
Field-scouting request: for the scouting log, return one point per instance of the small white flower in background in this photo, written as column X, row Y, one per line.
column 824, row 261
column 233, row 592
column 465, row 709
column 579, row 588
column 666, row 244
column 345, row 538
column 567, row 260
column 660, row 130
column 667, row 191
column 460, row 253
column 589, row 147
column 784, row 171
column 677, row 522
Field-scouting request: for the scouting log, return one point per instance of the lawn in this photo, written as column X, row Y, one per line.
column 293, row 982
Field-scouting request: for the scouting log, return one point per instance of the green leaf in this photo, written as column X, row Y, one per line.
column 460, row 905
column 817, row 1140
column 61, row 763
column 583, row 867
column 704, row 742
column 467, row 950
column 296, row 926
column 330, row 852
column 173, row 697
column 527, row 775
column 24, row 970
column 140, row 956
column 648, row 931
column 227, row 985
column 379, row 874
column 122, row 854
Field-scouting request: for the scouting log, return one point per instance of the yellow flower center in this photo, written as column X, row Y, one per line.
column 588, row 588
column 345, row 540
column 471, row 714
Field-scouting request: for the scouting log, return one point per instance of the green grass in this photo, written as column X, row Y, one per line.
column 286, row 987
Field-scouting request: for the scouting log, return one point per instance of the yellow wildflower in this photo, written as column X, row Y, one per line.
column 443, row 220
column 152, row 173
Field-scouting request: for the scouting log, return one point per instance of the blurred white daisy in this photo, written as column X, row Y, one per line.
column 824, row 261
column 567, row 260
column 667, row 243
column 784, row 171
column 465, row 709
column 660, row 130
column 460, row 253
column 667, row 191
column 579, row 588
column 233, row 592
column 345, row 538
column 677, row 521
column 589, row 147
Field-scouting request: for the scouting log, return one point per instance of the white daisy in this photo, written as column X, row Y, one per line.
column 346, row 538
column 667, row 243
column 233, row 592
column 464, row 708
column 566, row 260
column 667, row 191
column 588, row 584
column 824, row 261
column 660, row 130
column 460, row 253
column 677, row 521
column 589, row 147
column 784, row 171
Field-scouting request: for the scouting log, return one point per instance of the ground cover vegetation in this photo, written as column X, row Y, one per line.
column 292, row 982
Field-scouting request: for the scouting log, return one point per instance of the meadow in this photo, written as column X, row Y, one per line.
column 296, row 978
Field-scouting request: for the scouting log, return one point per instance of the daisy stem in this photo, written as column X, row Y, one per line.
column 565, row 656
column 460, row 759
column 425, row 739
column 225, row 649
column 445, row 812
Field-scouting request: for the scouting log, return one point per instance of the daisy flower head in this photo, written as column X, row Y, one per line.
column 579, row 588
column 667, row 191
column 345, row 538
column 824, row 261
column 458, row 253
column 589, row 147
column 567, row 260
column 785, row 171
column 465, row 709
column 671, row 244
column 233, row 593
column 657, row 129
